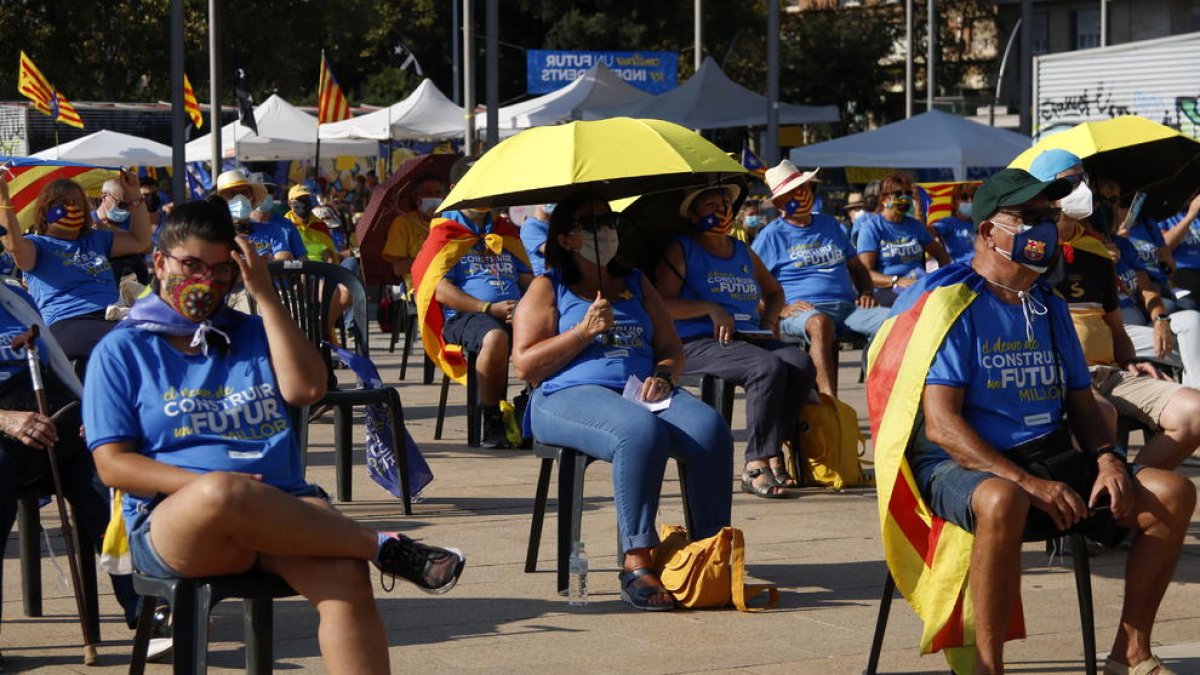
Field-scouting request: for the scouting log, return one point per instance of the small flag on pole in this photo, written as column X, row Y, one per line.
column 752, row 163
column 34, row 86
column 332, row 105
column 245, row 102
column 190, row 105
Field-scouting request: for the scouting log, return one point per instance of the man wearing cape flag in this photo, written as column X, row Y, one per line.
column 970, row 377
column 469, row 275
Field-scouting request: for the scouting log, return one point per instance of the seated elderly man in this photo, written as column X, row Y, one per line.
column 979, row 383
column 828, row 290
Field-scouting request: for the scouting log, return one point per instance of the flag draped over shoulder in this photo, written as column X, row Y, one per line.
column 190, row 105
column 27, row 176
column 332, row 105
column 448, row 242
column 34, row 86
column 927, row 556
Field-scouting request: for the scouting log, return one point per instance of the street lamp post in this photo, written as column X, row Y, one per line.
column 771, row 147
column 698, row 30
column 493, row 72
column 214, row 84
column 178, row 165
column 908, row 58
column 468, row 77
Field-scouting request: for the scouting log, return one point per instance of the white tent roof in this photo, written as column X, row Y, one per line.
column 710, row 100
column 424, row 114
column 285, row 132
column 110, row 148
column 599, row 87
column 930, row 140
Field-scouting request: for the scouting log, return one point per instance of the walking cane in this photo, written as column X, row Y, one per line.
column 28, row 340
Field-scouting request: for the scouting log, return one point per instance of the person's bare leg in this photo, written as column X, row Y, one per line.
column 822, row 335
column 1180, row 422
column 492, row 367
column 351, row 632
column 644, row 557
column 1001, row 508
column 1163, row 506
column 204, row 529
column 337, row 305
column 1108, row 412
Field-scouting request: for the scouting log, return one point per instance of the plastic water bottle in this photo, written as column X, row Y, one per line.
column 578, row 591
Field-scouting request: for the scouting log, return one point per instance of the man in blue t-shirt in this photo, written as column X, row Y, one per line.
column 892, row 244
column 826, row 287
column 1007, row 370
column 533, row 235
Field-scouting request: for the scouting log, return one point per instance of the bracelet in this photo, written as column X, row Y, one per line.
column 1162, row 317
column 486, row 306
column 1110, row 450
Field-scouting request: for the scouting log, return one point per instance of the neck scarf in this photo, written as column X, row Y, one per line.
column 152, row 313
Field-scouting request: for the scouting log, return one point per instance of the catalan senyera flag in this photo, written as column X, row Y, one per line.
column 937, row 199
column 332, row 105
column 449, row 240
column 27, row 176
column 928, row 557
column 190, row 105
column 34, row 86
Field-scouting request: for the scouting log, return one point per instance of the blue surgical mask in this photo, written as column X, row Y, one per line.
column 267, row 203
column 1033, row 246
column 753, row 221
column 239, row 208
column 118, row 215
column 964, row 210
column 429, row 205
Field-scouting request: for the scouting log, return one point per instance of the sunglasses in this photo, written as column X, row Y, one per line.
column 195, row 267
column 608, row 220
column 899, row 193
column 1076, row 179
column 1034, row 216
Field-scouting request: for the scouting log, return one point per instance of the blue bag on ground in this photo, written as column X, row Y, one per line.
column 380, row 437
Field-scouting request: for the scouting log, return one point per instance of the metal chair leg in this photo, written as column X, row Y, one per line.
column 141, row 639
column 885, row 608
column 566, row 500
column 539, row 514
column 474, row 405
column 343, row 448
column 259, row 622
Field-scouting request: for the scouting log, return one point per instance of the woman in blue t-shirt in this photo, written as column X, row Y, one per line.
column 956, row 230
column 581, row 333
column 1181, row 234
column 892, row 244
column 66, row 260
column 185, row 408
column 712, row 284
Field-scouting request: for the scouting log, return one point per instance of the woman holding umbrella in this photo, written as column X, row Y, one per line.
column 712, row 285
column 580, row 333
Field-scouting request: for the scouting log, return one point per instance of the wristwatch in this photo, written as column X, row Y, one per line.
column 1111, row 450
column 895, row 279
column 1162, row 317
column 666, row 377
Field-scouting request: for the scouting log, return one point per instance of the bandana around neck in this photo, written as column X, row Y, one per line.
column 152, row 313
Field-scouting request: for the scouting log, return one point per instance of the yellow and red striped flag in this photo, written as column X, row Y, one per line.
column 27, row 176
column 190, row 105
column 34, row 86
column 332, row 105
column 937, row 199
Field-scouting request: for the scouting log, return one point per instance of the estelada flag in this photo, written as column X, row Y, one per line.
column 331, row 102
column 449, row 240
column 752, row 163
column 937, row 199
column 34, row 86
column 190, row 105
column 27, row 176
column 927, row 556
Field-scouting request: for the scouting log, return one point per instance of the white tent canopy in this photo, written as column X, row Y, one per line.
column 110, row 148
column 599, row 87
column 426, row 114
column 285, row 132
column 931, row 140
column 710, row 100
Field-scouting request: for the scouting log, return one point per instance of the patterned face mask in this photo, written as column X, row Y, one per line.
column 195, row 298
column 65, row 221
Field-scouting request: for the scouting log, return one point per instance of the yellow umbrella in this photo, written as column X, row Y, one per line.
column 1137, row 152
column 617, row 157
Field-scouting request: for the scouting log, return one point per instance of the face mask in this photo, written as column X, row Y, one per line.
column 239, row 208
column 118, row 215
column 1034, row 247
column 195, row 298
column 601, row 247
column 754, row 221
column 717, row 223
column 301, row 209
column 429, row 205
column 267, row 203
column 899, row 204
column 801, row 204
column 1078, row 204
column 964, row 210
column 65, row 221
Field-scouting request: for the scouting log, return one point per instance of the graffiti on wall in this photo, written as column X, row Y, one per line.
column 1099, row 102
column 12, row 131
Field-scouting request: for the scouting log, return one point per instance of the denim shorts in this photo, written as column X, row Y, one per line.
column 141, row 550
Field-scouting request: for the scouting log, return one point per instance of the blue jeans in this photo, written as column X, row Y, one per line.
column 847, row 316
column 600, row 423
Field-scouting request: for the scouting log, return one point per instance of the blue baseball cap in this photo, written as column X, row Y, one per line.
column 1052, row 162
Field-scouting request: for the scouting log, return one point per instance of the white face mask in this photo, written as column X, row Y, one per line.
column 599, row 248
column 1078, row 204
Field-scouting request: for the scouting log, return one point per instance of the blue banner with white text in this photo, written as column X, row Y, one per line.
column 548, row 70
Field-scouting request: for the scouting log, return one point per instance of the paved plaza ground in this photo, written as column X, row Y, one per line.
column 821, row 548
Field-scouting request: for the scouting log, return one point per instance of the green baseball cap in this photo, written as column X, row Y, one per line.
column 1010, row 187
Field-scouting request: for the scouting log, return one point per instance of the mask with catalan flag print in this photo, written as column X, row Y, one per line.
column 65, row 221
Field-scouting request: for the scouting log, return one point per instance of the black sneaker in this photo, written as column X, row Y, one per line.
column 432, row 569
column 495, row 434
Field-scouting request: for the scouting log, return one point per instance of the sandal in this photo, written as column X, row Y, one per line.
column 765, row 489
column 782, row 476
column 638, row 597
column 1113, row 667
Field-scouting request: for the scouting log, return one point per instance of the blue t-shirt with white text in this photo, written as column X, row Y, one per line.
column 728, row 282
column 959, row 237
column 900, row 246
column 809, row 261
column 1187, row 253
column 72, row 277
column 1147, row 239
column 483, row 274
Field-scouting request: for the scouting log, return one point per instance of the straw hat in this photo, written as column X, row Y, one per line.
column 235, row 179
column 854, row 200
column 785, row 177
column 734, row 191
